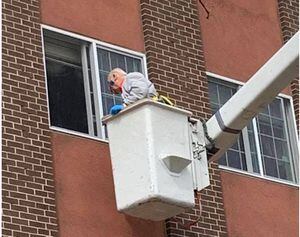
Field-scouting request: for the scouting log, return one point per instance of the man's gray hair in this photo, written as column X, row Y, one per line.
column 116, row 71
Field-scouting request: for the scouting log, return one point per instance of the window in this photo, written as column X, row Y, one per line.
column 65, row 81
column 107, row 61
column 267, row 146
column 78, row 92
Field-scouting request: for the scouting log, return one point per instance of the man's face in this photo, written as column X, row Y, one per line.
column 115, row 83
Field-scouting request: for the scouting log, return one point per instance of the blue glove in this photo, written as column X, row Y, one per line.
column 116, row 109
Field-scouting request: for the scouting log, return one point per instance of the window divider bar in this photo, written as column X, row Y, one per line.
column 258, row 150
column 87, row 90
column 294, row 136
column 292, row 163
column 247, row 150
column 96, row 89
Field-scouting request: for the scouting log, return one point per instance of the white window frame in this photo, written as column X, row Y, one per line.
column 294, row 149
column 93, row 45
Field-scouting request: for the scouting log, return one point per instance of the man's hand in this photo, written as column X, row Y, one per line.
column 116, row 109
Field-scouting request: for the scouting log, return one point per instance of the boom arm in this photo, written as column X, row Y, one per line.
column 225, row 126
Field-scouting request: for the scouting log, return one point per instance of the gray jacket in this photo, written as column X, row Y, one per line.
column 136, row 86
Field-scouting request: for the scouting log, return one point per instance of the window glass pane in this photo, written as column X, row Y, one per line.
column 103, row 60
column 118, row 100
column 222, row 160
column 252, row 141
column 130, row 65
column 213, row 93
column 275, row 108
column 278, row 128
column 267, row 146
column 137, row 66
column 285, row 170
column 243, row 160
column 235, row 146
column 63, row 50
column 104, row 83
column 234, row 159
column 214, row 108
column 224, row 94
column 264, row 125
column 253, row 150
column 270, row 167
column 117, row 60
column 108, row 102
column 241, row 143
column 255, row 164
column 265, row 111
column 66, row 96
column 282, row 150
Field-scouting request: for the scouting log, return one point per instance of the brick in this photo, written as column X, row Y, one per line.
column 22, row 50
column 29, row 229
column 176, row 64
column 11, row 226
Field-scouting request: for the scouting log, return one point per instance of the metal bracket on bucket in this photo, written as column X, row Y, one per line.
column 198, row 150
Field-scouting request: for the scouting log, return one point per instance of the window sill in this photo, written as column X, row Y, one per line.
column 232, row 170
column 78, row 134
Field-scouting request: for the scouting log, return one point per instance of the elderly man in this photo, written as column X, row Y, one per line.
column 132, row 87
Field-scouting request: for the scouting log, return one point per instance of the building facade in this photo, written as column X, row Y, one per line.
column 56, row 171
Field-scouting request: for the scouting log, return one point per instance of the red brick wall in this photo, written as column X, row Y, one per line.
column 259, row 207
column 288, row 11
column 176, row 64
column 27, row 178
column 113, row 21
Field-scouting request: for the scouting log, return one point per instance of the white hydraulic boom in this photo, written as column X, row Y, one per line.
column 224, row 127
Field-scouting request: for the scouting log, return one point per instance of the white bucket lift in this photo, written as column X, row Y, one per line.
column 151, row 153
column 159, row 154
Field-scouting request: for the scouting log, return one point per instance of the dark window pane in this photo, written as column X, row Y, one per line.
column 264, row 125
column 130, row 66
column 66, row 96
column 250, row 127
column 103, row 83
column 235, row 146
column 278, row 128
column 119, row 100
column 107, row 102
column 255, row 162
column 265, row 110
column 234, row 159
column 214, row 108
column 103, row 60
column 63, row 51
column 213, row 93
column 137, row 66
column 241, row 143
column 282, row 150
column 267, row 146
column 117, row 60
column 275, row 108
column 270, row 167
column 252, row 141
column 285, row 170
column 224, row 94
column 243, row 159
column 222, row 160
